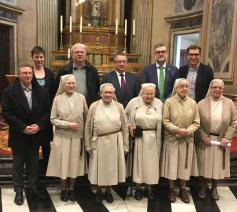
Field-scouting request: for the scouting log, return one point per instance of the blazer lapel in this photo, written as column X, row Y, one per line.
column 116, row 83
column 22, row 98
column 154, row 74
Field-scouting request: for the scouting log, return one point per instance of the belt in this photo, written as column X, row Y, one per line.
column 148, row 129
column 108, row 133
column 214, row 134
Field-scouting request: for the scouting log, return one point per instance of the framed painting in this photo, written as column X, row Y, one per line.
column 221, row 38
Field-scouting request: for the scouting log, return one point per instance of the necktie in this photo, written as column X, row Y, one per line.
column 122, row 84
column 161, row 83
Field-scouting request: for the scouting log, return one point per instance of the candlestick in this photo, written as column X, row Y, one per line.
column 61, row 23
column 125, row 27
column 68, row 54
column 80, row 24
column 116, row 26
column 133, row 27
column 70, row 23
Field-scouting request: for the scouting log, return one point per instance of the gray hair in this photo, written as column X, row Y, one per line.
column 102, row 86
column 79, row 45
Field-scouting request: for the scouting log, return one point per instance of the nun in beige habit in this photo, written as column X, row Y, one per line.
column 67, row 156
column 145, row 114
column 218, row 118
column 106, row 138
column 181, row 120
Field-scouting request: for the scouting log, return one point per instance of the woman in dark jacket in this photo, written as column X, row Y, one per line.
column 45, row 78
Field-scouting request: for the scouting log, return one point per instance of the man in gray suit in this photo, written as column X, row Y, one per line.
column 125, row 83
column 160, row 73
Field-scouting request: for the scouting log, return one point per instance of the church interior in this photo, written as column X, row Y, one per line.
column 131, row 27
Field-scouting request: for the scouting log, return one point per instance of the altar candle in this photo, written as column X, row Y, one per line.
column 125, row 27
column 80, row 24
column 133, row 27
column 116, row 26
column 70, row 24
column 61, row 23
column 68, row 53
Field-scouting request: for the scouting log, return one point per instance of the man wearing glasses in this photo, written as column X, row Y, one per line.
column 160, row 73
column 199, row 75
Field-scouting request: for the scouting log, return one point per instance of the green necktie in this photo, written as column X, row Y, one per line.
column 161, row 83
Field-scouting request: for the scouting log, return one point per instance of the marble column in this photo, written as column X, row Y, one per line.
column 142, row 13
column 47, row 27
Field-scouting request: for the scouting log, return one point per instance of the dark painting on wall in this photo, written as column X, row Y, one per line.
column 220, row 37
column 185, row 6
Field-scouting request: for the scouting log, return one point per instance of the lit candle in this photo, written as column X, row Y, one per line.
column 61, row 23
column 70, row 23
column 68, row 53
column 116, row 26
column 125, row 27
column 133, row 27
column 80, row 24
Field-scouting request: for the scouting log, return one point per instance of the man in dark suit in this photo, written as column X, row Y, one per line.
column 126, row 84
column 87, row 78
column 26, row 109
column 199, row 75
column 160, row 73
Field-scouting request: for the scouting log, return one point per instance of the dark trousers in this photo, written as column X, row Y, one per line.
column 25, row 154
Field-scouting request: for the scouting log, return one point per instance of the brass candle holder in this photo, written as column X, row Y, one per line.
column 133, row 44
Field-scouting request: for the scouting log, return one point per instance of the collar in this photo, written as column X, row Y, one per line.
column 29, row 88
column 158, row 66
column 118, row 74
column 76, row 67
column 193, row 69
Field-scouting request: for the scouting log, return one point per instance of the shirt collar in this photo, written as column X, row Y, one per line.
column 119, row 74
column 24, row 87
column 158, row 66
column 192, row 69
column 75, row 67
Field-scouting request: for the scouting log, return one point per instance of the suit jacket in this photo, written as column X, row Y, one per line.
column 18, row 115
column 92, row 80
column 149, row 75
column 131, row 87
column 204, row 76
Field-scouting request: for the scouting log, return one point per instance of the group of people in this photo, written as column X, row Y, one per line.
column 174, row 124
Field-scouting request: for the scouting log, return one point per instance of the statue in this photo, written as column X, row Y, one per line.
column 95, row 11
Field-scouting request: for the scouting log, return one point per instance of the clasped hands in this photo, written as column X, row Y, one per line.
column 31, row 129
column 181, row 133
column 74, row 126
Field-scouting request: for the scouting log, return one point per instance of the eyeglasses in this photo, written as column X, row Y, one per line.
column 193, row 55
column 161, row 52
column 217, row 87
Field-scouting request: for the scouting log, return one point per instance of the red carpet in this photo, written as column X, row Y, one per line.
column 233, row 147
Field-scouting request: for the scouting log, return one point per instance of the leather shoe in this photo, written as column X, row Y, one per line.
column 214, row 194
column 171, row 195
column 202, row 193
column 19, row 198
column 37, row 194
column 64, row 195
column 138, row 194
column 71, row 195
column 183, row 195
column 108, row 197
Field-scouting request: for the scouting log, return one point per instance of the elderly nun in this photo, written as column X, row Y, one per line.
column 106, row 138
column 218, row 118
column 181, row 121
column 67, row 156
column 145, row 120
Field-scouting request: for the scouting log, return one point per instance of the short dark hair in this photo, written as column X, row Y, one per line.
column 159, row 45
column 194, row 46
column 120, row 54
column 37, row 50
